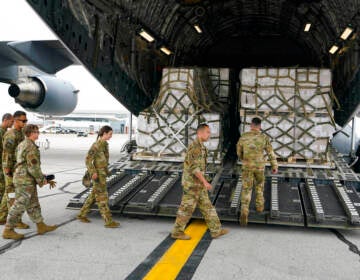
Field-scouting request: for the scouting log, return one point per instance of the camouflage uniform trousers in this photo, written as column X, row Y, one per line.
column 3, row 205
column 100, row 194
column 251, row 178
column 190, row 199
column 7, row 202
column 26, row 199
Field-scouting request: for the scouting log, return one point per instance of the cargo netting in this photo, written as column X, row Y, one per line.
column 295, row 105
column 187, row 97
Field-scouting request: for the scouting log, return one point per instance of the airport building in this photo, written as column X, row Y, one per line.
column 87, row 121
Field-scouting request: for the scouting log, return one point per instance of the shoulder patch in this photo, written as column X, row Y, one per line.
column 9, row 143
column 34, row 161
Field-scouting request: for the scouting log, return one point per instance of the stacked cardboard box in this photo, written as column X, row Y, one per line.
column 187, row 97
column 295, row 106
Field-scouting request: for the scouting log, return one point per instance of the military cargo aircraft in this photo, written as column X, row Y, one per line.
column 127, row 44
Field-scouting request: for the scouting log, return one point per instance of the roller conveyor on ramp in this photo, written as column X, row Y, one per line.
column 326, row 198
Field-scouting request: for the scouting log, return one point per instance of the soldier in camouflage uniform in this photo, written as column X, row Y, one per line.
column 195, row 189
column 7, row 122
column 250, row 149
column 11, row 140
column 26, row 175
column 97, row 161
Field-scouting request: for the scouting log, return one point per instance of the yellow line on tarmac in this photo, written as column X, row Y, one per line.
column 171, row 263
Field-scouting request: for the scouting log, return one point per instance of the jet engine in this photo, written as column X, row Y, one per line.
column 45, row 95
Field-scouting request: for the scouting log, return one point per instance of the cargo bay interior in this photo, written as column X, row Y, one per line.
column 127, row 45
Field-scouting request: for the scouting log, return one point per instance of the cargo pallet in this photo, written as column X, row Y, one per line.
column 296, row 196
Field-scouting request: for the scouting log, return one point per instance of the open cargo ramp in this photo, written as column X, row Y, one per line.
column 295, row 196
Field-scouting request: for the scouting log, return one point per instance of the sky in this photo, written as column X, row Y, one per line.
column 20, row 23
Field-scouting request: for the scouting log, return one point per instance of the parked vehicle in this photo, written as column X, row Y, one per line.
column 82, row 134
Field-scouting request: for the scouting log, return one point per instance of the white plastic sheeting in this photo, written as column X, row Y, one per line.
column 295, row 105
column 187, row 97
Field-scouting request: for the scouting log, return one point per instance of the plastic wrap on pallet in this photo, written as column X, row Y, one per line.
column 185, row 100
column 313, row 126
column 309, row 147
column 286, row 89
column 154, row 134
column 302, row 139
column 279, row 130
column 295, row 105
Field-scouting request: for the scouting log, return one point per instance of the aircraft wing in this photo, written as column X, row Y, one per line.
column 47, row 56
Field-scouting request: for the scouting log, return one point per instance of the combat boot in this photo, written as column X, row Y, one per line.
column 180, row 236
column 83, row 219
column 244, row 218
column 112, row 224
column 223, row 231
column 260, row 209
column 43, row 228
column 9, row 233
column 21, row 225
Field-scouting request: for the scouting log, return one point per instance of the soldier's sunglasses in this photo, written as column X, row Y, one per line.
column 24, row 121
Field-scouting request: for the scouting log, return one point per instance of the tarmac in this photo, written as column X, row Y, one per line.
column 90, row 251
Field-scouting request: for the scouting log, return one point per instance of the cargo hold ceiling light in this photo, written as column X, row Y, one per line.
column 333, row 49
column 307, row 27
column 165, row 50
column 346, row 33
column 197, row 28
column 146, row 36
